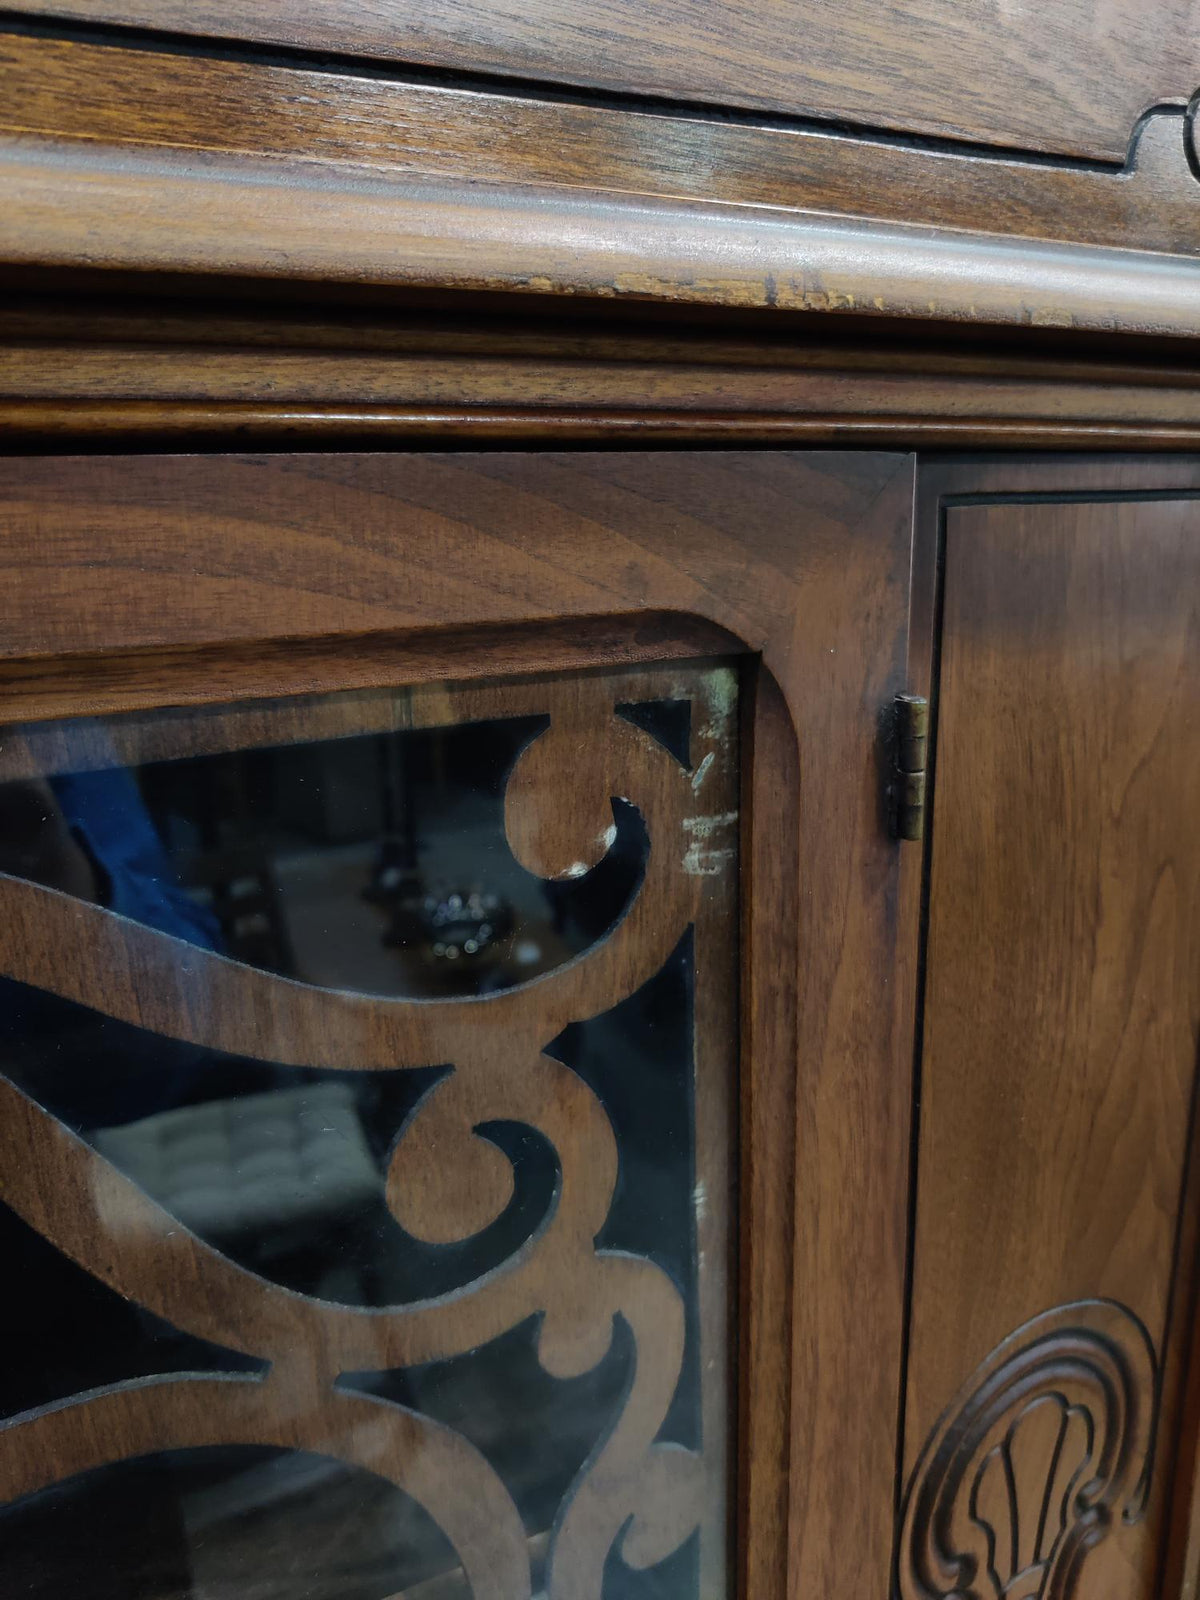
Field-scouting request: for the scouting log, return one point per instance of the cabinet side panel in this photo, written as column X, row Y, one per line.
column 1061, row 1021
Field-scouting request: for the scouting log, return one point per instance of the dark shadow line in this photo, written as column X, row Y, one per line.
column 900, row 1488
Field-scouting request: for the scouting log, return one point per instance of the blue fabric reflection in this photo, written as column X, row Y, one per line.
column 107, row 814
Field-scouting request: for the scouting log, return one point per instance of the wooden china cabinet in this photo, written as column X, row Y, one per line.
column 599, row 800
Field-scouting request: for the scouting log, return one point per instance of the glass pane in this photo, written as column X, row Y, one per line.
column 367, row 1127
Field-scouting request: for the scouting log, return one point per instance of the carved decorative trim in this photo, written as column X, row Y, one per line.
column 1044, row 1448
column 1191, row 145
column 445, row 1181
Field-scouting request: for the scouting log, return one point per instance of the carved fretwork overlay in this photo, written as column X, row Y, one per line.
column 486, row 1061
column 1045, row 1448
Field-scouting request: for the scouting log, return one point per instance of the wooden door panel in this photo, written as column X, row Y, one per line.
column 270, row 613
column 1067, row 77
column 1062, row 1015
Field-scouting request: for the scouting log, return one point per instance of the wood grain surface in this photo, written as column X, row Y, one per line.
column 1062, row 1006
column 77, row 204
column 114, row 369
column 161, row 566
column 58, row 88
column 150, row 160
column 1065, row 76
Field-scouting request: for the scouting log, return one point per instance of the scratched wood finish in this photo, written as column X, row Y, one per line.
column 1065, row 77
column 1062, row 1005
column 295, row 565
column 81, row 205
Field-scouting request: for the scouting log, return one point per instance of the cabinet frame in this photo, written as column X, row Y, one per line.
column 149, row 581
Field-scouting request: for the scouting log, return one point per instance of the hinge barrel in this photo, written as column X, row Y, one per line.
column 909, row 750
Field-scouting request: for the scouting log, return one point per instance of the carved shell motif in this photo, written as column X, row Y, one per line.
column 1044, row 1447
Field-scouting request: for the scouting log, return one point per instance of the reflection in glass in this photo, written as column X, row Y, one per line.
column 376, row 863
column 315, row 841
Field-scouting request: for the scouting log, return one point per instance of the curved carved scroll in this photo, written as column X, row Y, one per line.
column 445, row 1183
column 1044, row 1448
column 1190, row 141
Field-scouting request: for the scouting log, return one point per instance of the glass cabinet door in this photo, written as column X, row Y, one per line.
column 367, row 1142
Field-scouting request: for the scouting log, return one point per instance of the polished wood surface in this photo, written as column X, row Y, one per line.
column 298, row 564
column 947, row 479
column 63, row 89
column 1062, row 1010
column 78, row 204
column 162, row 160
column 198, row 162
column 151, row 370
column 1065, row 76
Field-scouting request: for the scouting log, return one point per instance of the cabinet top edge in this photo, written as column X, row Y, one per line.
column 76, row 204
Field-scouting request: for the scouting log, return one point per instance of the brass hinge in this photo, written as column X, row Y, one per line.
column 910, row 739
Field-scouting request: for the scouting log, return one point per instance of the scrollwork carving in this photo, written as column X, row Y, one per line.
column 1044, row 1449
column 445, row 1183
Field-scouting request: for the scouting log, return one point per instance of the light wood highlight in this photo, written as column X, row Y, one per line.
column 59, row 88
column 78, row 205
